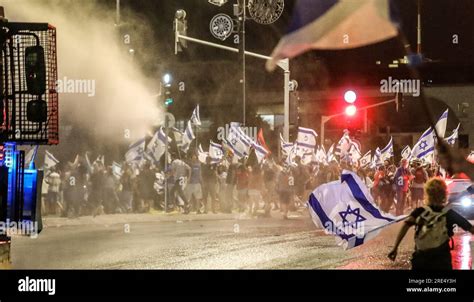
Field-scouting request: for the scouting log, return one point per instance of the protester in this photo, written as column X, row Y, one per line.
column 209, row 174
column 193, row 191
column 402, row 181
column 54, row 183
column 434, row 226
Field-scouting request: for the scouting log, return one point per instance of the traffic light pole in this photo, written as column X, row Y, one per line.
column 283, row 64
column 325, row 119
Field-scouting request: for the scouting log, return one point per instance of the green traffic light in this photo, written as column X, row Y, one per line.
column 169, row 101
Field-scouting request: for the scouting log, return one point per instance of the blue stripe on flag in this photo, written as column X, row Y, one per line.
column 361, row 198
column 422, row 154
column 307, row 145
column 306, row 11
column 325, row 220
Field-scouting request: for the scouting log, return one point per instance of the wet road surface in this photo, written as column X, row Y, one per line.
column 222, row 241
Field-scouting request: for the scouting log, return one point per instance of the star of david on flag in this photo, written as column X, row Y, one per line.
column 345, row 209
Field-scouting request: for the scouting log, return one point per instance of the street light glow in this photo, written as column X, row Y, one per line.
column 167, row 79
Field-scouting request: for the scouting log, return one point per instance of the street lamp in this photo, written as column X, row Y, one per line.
column 167, row 79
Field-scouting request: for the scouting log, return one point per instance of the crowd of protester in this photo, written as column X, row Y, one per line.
column 82, row 188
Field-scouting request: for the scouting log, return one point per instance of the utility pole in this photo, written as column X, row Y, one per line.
column 242, row 19
column 117, row 12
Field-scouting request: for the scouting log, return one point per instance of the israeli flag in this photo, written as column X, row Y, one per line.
column 306, row 138
column 377, row 159
column 216, row 152
column 345, row 208
column 117, row 170
column 285, row 146
column 260, row 152
column 344, row 145
column 425, row 145
column 406, row 153
column 202, row 156
column 321, row 156
column 188, row 137
column 354, row 153
column 442, row 123
column 49, row 160
column 195, row 118
column 330, row 156
column 387, row 152
column 451, row 140
column 335, row 24
column 239, row 142
column 135, row 151
column 365, row 160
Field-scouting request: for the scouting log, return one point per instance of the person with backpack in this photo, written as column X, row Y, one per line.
column 434, row 227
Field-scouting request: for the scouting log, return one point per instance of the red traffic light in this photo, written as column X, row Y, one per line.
column 351, row 110
column 350, row 96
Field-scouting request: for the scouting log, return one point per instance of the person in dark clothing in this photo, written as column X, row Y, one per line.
column 434, row 227
column 126, row 196
column 402, row 181
column 146, row 180
column 230, row 186
column 209, row 185
column 96, row 196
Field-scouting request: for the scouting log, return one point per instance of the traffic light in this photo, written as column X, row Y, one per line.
column 166, row 84
column 350, row 97
column 180, row 28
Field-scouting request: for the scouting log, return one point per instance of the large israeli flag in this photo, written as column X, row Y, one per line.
column 335, row 24
column 425, row 145
column 345, row 208
column 135, row 151
column 451, row 140
column 387, row 152
column 442, row 123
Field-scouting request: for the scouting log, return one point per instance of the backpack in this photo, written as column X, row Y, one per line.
column 432, row 230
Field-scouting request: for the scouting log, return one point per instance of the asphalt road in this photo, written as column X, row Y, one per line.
column 222, row 241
